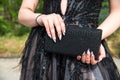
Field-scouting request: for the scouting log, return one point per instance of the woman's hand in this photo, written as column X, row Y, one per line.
column 89, row 57
column 53, row 22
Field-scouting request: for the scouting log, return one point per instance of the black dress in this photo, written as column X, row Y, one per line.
column 40, row 65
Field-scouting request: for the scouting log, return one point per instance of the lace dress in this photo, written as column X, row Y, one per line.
column 40, row 65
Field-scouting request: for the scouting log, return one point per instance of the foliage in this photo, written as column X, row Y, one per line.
column 104, row 11
column 8, row 18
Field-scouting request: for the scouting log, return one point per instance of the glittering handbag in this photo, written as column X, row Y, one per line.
column 75, row 42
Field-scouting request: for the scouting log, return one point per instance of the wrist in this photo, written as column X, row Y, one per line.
column 38, row 19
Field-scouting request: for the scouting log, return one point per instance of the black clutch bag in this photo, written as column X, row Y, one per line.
column 75, row 42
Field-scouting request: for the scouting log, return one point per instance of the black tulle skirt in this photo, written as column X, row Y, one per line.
column 40, row 65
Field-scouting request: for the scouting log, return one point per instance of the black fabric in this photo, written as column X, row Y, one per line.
column 40, row 65
column 75, row 42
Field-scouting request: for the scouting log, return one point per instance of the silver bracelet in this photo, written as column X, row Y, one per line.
column 36, row 19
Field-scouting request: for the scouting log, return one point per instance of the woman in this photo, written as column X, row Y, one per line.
column 38, row 65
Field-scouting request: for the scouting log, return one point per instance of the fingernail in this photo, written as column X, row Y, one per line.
column 60, row 37
column 54, row 39
column 64, row 33
column 83, row 53
column 88, row 51
column 100, row 59
column 92, row 53
column 49, row 35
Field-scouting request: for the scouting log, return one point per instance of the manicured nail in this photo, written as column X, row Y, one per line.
column 92, row 54
column 60, row 37
column 64, row 33
column 83, row 53
column 49, row 35
column 88, row 51
column 100, row 59
column 54, row 39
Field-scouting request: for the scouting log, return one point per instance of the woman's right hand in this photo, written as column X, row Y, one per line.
column 52, row 22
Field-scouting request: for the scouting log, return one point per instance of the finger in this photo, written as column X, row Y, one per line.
column 62, row 24
column 78, row 57
column 92, row 59
column 83, row 57
column 88, row 57
column 52, row 29
column 102, row 53
column 88, row 54
column 46, row 24
column 58, row 26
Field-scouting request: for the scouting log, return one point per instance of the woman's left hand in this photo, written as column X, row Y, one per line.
column 89, row 57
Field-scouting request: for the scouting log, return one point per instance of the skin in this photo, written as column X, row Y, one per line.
column 27, row 17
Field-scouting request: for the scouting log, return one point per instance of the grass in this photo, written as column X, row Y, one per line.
column 11, row 46
column 114, row 43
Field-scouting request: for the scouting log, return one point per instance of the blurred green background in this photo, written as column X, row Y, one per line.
column 13, row 34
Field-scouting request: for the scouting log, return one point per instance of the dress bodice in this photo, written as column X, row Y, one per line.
column 83, row 12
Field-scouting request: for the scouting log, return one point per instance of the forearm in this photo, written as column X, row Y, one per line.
column 111, row 24
column 27, row 17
